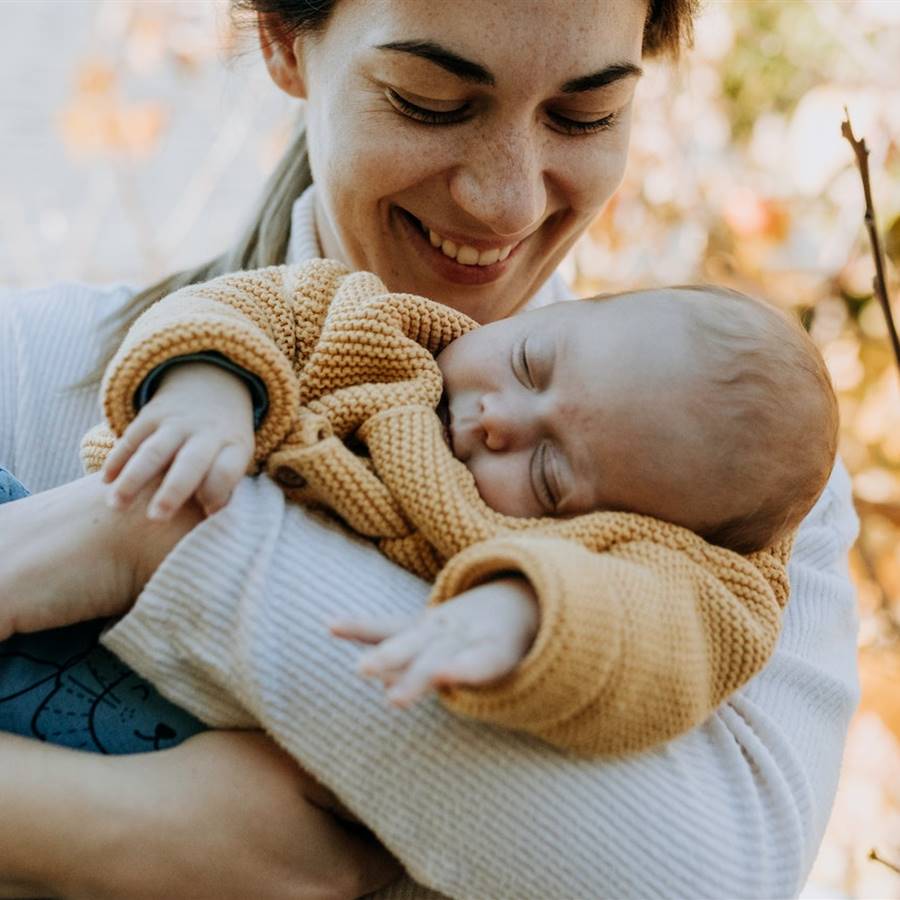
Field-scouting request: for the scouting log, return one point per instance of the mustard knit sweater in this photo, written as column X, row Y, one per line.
column 645, row 628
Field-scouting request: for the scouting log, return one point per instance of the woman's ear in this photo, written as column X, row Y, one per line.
column 283, row 55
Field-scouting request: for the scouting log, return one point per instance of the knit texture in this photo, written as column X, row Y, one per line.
column 645, row 628
column 234, row 624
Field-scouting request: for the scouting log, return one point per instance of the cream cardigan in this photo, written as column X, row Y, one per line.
column 735, row 808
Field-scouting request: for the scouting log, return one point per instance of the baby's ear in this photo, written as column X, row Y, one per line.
column 284, row 55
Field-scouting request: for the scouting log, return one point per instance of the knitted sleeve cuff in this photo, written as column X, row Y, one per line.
column 573, row 654
column 254, row 383
column 244, row 346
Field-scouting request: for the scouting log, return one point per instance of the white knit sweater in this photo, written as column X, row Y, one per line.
column 734, row 809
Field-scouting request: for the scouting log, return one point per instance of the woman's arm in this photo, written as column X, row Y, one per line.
column 735, row 808
column 161, row 825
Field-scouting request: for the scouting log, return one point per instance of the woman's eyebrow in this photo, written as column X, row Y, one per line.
column 475, row 73
column 462, row 68
column 602, row 77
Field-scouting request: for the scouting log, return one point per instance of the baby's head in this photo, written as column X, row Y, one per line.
column 696, row 405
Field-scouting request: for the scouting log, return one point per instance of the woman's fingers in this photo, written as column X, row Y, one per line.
column 150, row 459
column 135, row 434
column 187, row 472
column 226, row 471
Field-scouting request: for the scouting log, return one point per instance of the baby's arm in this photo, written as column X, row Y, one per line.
column 636, row 643
column 476, row 638
column 198, row 429
column 260, row 321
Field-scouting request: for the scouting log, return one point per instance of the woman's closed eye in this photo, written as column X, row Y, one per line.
column 578, row 126
column 428, row 112
column 428, row 115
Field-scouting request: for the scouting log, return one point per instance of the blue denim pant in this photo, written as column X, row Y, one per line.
column 62, row 686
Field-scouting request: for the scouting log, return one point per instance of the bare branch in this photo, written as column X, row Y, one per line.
column 873, row 855
column 880, row 284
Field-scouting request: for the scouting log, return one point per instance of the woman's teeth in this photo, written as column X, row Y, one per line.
column 466, row 255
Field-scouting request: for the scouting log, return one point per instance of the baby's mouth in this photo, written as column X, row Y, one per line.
column 443, row 413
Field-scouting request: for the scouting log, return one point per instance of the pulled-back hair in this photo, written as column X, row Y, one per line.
column 668, row 28
column 774, row 394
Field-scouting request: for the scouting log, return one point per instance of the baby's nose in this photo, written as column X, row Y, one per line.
column 504, row 426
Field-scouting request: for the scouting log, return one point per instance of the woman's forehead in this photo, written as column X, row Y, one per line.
column 509, row 41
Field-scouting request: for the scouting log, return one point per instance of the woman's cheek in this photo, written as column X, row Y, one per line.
column 590, row 170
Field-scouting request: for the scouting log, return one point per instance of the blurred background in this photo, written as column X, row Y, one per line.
column 135, row 136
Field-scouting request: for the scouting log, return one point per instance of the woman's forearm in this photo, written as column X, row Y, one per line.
column 68, row 557
column 57, row 817
column 234, row 624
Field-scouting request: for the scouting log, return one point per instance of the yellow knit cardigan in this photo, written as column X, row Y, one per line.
column 644, row 627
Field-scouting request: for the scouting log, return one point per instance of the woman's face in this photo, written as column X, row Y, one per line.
column 460, row 148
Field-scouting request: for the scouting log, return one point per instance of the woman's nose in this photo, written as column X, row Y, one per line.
column 501, row 184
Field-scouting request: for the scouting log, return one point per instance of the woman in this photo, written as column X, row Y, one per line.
column 440, row 137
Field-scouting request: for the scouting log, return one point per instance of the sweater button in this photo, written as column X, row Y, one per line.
column 289, row 478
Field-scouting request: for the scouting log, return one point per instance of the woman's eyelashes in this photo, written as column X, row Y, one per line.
column 575, row 126
column 463, row 113
column 423, row 114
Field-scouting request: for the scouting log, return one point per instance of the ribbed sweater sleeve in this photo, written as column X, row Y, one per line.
column 735, row 807
column 637, row 644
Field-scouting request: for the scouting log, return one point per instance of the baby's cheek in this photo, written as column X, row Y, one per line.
column 504, row 484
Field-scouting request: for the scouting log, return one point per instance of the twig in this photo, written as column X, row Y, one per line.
column 874, row 855
column 880, row 285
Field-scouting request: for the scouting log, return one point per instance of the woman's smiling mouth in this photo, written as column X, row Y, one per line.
column 455, row 261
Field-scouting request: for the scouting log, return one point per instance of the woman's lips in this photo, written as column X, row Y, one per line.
column 448, row 268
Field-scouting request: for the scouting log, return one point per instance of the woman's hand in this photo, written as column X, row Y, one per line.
column 226, row 815
column 67, row 557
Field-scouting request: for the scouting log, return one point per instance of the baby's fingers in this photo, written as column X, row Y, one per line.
column 185, row 475
column 426, row 672
column 226, row 471
column 369, row 631
column 135, row 434
column 151, row 458
column 477, row 665
column 394, row 653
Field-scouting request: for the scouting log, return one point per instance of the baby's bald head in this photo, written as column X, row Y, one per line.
column 762, row 405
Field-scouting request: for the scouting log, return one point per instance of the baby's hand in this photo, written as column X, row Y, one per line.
column 473, row 639
column 199, row 427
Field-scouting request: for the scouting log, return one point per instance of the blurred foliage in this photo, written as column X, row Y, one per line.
column 739, row 175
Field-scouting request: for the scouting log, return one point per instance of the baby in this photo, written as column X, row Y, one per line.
column 698, row 407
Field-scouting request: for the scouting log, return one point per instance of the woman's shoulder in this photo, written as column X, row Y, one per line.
column 68, row 298
column 53, row 340
column 61, row 325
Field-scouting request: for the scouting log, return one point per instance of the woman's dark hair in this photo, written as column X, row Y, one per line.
column 669, row 28
column 669, row 25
